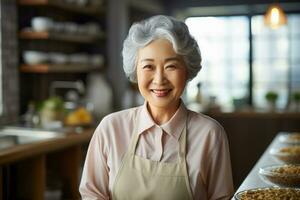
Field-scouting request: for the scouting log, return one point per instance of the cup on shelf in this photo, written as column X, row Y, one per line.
column 71, row 27
column 92, row 28
column 41, row 24
column 81, row 30
column 34, row 57
column 97, row 60
column 58, row 27
column 58, row 58
column 79, row 58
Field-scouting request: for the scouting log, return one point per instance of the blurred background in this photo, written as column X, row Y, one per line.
column 61, row 72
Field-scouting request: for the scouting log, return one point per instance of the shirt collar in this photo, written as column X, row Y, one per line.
column 173, row 127
column 144, row 119
column 176, row 124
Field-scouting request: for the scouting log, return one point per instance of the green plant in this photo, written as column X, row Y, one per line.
column 54, row 103
column 296, row 96
column 271, row 96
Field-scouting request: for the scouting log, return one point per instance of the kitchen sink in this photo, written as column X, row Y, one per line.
column 33, row 132
column 11, row 136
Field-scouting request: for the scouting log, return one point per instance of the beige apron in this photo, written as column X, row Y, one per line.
column 143, row 179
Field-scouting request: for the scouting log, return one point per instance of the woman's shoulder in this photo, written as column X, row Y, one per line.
column 119, row 120
column 204, row 121
column 121, row 115
column 203, row 128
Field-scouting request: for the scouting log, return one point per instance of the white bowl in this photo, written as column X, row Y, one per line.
column 287, row 154
column 268, row 193
column 58, row 58
column 58, row 27
column 71, row 27
column 281, row 175
column 41, row 24
column 290, row 138
column 79, row 58
column 97, row 60
column 92, row 28
column 34, row 57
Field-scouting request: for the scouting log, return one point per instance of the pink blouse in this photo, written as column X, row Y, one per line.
column 208, row 158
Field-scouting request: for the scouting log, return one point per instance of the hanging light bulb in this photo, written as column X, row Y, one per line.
column 275, row 17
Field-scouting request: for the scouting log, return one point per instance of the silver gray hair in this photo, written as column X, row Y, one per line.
column 160, row 26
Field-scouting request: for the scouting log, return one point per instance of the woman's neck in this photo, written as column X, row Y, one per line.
column 162, row 115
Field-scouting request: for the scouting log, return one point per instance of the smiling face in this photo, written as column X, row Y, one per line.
column 161, row 75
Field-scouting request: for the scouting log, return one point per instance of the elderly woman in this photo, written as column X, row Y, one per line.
column 160, row 150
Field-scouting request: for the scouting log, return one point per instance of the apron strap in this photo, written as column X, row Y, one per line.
column 182, row 145
column 135, row 137
column 183, row 141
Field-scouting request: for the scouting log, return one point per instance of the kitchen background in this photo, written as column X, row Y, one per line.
column 250, row 81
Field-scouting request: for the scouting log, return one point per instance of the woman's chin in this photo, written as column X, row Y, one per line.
column 164, row 103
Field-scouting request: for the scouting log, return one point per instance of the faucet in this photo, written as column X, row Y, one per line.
column 78, row 85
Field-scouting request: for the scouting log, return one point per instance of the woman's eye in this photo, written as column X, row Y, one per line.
column 147, row 67
column 171, row 67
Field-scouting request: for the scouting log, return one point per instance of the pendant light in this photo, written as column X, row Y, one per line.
column 275, row 17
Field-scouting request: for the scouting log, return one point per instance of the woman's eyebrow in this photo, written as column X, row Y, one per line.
column 147, row 59
column 166, row 60
column 172, row 59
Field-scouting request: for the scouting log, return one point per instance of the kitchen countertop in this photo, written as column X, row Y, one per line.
column 256, row 114
column 23, row 151
column 253, row 180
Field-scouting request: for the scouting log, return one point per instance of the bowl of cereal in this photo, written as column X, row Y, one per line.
column 281, row 175
column 290, row 138
column 269, row 193
column 288, row 154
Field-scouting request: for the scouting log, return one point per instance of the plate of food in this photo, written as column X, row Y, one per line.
column 268, row 193
column 281, row 175
column 290, row 138
column 288, row 154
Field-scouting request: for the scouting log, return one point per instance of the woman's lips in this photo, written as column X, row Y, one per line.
column 161, row 93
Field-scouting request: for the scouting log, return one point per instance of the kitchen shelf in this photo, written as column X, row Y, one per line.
column 32, row 35
column 147, row 6
column 58, row 68
column 87, row 10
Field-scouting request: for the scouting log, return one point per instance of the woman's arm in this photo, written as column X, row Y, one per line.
column 219, row 174
column 95, row 179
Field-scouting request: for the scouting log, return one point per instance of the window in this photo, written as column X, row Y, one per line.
column 1, row 103
column 224, row 43
column 224, row 46
column 276, row 60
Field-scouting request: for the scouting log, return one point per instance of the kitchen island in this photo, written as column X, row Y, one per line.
column 253, row 180
column 23, row 168
column 249, row 135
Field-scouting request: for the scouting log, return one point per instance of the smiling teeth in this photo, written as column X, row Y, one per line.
column 160, row 93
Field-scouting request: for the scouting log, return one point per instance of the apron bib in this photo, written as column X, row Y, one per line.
column 143, row 179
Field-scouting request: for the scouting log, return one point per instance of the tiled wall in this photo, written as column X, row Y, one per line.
column 9, row 50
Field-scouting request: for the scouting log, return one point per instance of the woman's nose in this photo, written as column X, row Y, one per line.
column 159, row 77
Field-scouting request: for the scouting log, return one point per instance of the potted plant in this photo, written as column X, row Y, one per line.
column 51, row 111
column 296, row 100
column 296, row 96
column 271, row 97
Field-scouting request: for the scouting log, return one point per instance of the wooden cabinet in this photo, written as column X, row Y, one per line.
column 31, row 171
column 91, row 10
column 36, row 77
